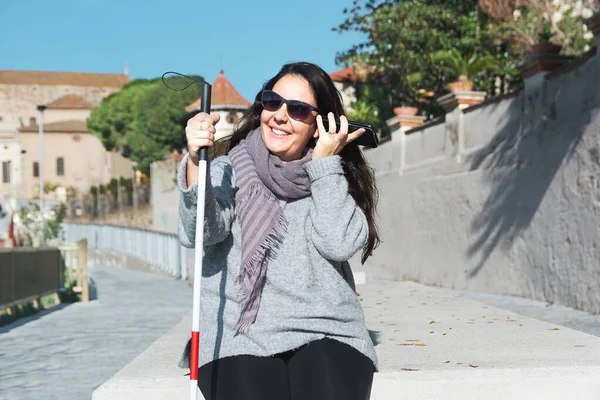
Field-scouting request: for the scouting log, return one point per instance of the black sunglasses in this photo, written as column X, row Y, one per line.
column 296, row 109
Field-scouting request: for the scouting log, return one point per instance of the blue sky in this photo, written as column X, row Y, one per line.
column 250, row 40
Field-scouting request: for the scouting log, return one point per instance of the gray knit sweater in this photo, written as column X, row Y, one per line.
column 309, row 291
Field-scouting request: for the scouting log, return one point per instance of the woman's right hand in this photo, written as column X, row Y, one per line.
column 200, row 132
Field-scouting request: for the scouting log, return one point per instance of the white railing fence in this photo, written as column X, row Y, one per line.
column 159, row 249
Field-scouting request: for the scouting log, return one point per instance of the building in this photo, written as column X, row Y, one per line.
column 226, row 101
column 73, row 157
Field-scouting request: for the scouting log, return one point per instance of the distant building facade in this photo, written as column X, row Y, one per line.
column 226, row 101
column 73, row 157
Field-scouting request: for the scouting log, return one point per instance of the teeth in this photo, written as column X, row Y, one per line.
column 278, row 132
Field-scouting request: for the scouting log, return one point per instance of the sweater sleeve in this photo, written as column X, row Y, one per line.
column 339, row 227
column 219, row 203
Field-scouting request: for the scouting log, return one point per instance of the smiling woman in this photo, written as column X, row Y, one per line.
column 286, row 209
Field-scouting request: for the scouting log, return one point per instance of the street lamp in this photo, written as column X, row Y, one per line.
column 41, row 109
column 23, row 191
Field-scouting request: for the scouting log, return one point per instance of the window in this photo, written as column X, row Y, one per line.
column 32, row 121
column 5, row 171
column 36, row 170
column 60, row 166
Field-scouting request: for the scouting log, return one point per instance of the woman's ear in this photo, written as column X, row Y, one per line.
column 316, row 134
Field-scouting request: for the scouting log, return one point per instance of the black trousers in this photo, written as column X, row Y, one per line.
column 322, row 370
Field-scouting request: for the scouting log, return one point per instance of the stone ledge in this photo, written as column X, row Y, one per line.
column 434, row 345
column 154, row 374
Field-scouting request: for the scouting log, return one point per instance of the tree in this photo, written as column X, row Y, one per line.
column 401, row 34
column 113, row 121
column 145, row 120
column 530, row 22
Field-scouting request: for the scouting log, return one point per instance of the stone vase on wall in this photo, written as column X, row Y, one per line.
column 545, row 48
column 404, row 111
column 463, row 84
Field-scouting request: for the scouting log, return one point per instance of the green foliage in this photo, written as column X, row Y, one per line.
column 28, row 222
column 460, row 66
column 365, row 109
column 400, row 36
column 113, row 121
column 53, row 224
column 145, row 119
column 561, row 23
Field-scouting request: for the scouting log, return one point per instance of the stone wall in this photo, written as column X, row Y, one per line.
column 21, row 100
column 503, row 197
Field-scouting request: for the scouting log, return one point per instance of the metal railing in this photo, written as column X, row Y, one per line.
column 159, row 249
column 28, row 274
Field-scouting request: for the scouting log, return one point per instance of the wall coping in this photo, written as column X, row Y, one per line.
column 437, row 121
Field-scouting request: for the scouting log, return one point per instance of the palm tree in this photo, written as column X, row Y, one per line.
column 466, row 69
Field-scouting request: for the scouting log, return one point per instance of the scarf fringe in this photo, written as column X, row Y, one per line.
column 266, row 250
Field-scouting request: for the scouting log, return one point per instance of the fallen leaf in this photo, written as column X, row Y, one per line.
column 473, row 366
column 433, row 322
column 392, row 324
column 511, row 320
column 431, row 332
column 446, row 362
column 358, row 294
column 579, row 345
column 405, row 344
column 554, row 329
column 421, row 344
column 409, row 369
column 443, row 334
column 413, row 340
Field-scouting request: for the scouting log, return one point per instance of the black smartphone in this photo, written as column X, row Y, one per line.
column 367, row 139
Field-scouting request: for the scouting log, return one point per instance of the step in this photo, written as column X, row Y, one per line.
column 432, row 344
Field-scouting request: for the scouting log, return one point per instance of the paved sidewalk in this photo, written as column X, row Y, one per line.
column 69, row 351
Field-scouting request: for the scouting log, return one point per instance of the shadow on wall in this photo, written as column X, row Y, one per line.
column 519, row 164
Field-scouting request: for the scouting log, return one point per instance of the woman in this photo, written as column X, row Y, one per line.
column 285, row 210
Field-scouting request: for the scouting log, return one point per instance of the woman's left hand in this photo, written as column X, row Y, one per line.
column 331, row 143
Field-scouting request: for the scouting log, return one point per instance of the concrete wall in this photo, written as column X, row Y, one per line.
column 501, row 198
column 165, row 196
column 56, row 115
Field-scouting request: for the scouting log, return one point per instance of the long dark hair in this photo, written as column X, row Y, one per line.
column 360, row 176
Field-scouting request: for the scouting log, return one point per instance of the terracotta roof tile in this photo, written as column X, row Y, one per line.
column 53, row 78
column 70, row 102
column 223, row 95
column 349, row 74
column 59, row 127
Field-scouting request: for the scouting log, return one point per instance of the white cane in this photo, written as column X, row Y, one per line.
column 202, row 174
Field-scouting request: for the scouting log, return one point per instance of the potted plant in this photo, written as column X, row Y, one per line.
column 465, row 68
column 412, row 82
column 543, row 43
